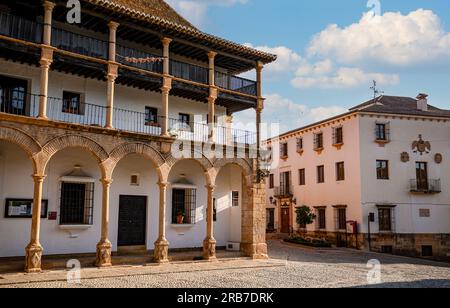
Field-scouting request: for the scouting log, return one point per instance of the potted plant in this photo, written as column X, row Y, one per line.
column 305, row 217
column 180, row 218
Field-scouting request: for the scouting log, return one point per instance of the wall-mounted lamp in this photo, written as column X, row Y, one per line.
column 294, row 201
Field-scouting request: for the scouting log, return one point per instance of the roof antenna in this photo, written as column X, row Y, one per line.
column 376, row 91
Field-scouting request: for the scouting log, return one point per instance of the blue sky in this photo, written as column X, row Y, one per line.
column 324, row 70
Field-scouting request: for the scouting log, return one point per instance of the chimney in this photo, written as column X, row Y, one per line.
column 422, row 102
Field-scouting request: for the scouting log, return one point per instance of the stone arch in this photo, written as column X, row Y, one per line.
column 72, row 141
column 205, row 163
column 244, row 165
column 143, row 149
column 24, row 141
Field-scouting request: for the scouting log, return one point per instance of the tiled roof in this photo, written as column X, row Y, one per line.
column 158, row 12
column 399, row 105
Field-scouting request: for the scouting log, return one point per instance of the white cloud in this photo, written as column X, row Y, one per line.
column 344, row 77
column 392, row 38
column 289, row 114
column 195, row 10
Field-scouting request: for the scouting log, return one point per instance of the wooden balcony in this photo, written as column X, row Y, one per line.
column 87, row 56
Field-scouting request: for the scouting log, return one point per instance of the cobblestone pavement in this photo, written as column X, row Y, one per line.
column 289, row 266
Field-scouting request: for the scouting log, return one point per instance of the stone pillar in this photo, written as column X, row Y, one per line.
column 213, row 93
column 209, row 245
column 46, row 57
column 253, row 242
column 229, row 129
column 104, row 247
column 33, row 252
column 167, row 86
column 162, row 245
column 112, row 74
column 259, row 110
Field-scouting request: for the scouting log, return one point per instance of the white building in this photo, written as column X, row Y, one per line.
column 113, row 100
column 389, row 157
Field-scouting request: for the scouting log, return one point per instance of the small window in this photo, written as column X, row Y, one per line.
column 214, row 209
column 382, row 170
column 72, row 103
column 338, row 135
column 321, row 174
column 271, row 181
column 318, row 141
column 151, row 116
column 284, row 150
column 184, row 206
column 385, row 219
column 270, row 219
column 340, row 171
column 302, row 177
column 185, row 121
column 299, row 145
column 235, row 198
column 427, row 251
column 321, row 219
column 134, row 180
column 382, row 132
column 77, row 203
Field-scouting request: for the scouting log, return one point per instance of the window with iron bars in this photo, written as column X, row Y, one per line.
column 382, row 131
column 340, row 218
column 184, row 205
column 321, row 220
column 386, row 219
column 77, row 203
column 338, row 135
column 318, row 141
column 284, row 150
column 299, row 144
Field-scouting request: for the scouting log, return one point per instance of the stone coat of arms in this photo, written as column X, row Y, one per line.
column 420, row 146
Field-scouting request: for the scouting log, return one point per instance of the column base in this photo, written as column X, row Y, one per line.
column 104, row 254
column 43, row 117
column 33, row 258
column 161, row 254
column 209, row 249
column 255, row 251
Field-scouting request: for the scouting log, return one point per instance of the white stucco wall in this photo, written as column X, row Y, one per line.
column 396, row 190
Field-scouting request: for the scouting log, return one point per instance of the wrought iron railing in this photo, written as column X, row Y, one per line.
column 24, row 104
column 20, row 28
column 234, row 83
column 425, row 186
column 80, row 44
column 189, row 71
column 284, row 191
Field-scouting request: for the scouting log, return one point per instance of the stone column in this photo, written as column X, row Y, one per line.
column 112, row 74
column 167, row 86
column 229, row 129
column 209, row 245
column 259, row 110
column 33, row 252
column 213, row 93
column 162, row 245
column 46, row 57
column 104, row 247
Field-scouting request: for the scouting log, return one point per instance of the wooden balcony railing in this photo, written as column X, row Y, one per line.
column 234, row 83
column 20, row 28
column 24, row 104
column 122, row 51
column 189, row 71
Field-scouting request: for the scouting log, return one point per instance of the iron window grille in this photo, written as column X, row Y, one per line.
column 184, row 204
column 284, row 150
column 72, row 103
column 318, row 141
column 321, row 221
column 382, row 170
column 270, row 219
column 386, row 219
column 382, row 131
column 214, row 209
column 340, row 171
column 302, row 177
column 271, row 181
column 235, row 198
column 321, row 174
column 299, row 144
column 77, row 203
column 338, row 135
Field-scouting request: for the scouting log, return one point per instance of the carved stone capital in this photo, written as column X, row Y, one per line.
column 163, row 185
column 46, row 55
column 167, row 84
column 33, row 258
column 49, row 6
column 210, row 187
column 112, row 25
column 161, row 254
column 106, row 182
column 260, row 105
column 209, row 249
column 212, row 55
column 213, row 93
column 104, row 254
column 166, row 41
column 38, row 178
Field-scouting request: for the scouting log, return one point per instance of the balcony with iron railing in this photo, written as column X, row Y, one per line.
column 63, row 39
column 425, row 187
column 285, row 191
column 24, row 104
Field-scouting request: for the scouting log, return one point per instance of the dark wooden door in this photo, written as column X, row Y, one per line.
column 285, row 218
column 132, row 220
